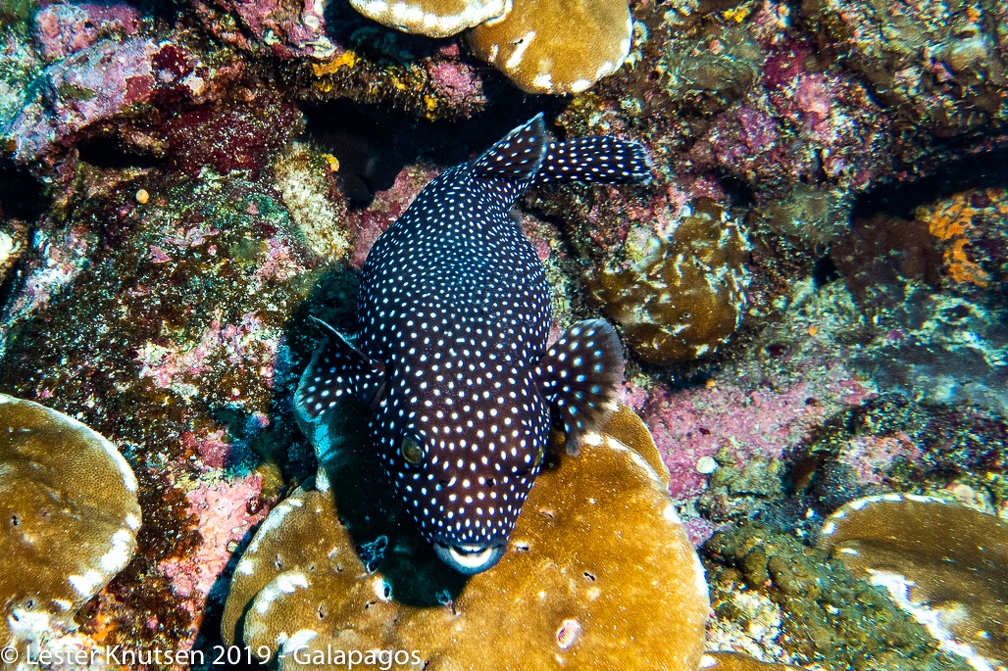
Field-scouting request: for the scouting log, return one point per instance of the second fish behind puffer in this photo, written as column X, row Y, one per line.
column 451, row 348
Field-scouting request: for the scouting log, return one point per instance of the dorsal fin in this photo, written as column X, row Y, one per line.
column 515, row 158
column 337, row 368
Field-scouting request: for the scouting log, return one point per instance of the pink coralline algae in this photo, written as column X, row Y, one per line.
column 798, row 125
column 221, row 509
column 62, row 29
column 371, row 222
column 104, row 80
column 213, row 448
column 456, row 83
column 174, row 366
column 281, row 28
column 871, row 456
column 692, row 424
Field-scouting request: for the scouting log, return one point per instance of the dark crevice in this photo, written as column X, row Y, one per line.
column 372, row 143
column 980, row 171
column 107, row 153
column 21, row 195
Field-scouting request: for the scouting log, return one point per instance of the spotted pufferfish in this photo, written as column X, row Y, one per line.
column 451, row 348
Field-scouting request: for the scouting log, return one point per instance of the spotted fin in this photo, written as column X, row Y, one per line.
column 580, row 376
column 338, row 368
column 601, row 158
column 517, row 157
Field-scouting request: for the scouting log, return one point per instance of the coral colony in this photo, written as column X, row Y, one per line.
column 739, row 287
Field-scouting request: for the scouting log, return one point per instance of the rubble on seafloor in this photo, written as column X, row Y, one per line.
column 823, row 317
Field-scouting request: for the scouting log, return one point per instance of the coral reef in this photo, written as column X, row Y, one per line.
column 534, row 44
column 829, row 616
column 81, row 90
column 931, row 285
column 182, row 183
column 332, row 569
column 179, row 368
column 968, row 232
column 680, row 297
column 68, row 501
column 305, row 181
column 287, row 29
column 944, row 563
column 62, row 29
column 938, row 64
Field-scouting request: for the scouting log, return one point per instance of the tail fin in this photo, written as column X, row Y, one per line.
column 600, row 158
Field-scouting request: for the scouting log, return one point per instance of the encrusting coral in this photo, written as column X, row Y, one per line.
column 69, row 511
column 828, row 616
column 679, row 298
column 629, row 429
column 943, row 562
column 434, row 18
column 561, row 47
column 600, row 572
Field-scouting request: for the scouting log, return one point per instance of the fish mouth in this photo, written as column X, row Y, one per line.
column 469, row 559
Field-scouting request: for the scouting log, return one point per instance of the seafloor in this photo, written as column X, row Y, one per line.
column 811, row 291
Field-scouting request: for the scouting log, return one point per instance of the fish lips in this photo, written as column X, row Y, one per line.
column 469, row 559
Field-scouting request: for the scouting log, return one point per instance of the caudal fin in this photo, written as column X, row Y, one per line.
column 600, row 158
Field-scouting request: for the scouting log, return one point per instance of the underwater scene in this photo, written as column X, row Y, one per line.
column 504, row 335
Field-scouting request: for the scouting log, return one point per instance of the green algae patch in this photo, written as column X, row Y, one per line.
column 830, row 617
column 944, row 563
column 599, row 572
column 68, row 518
column 730, row 661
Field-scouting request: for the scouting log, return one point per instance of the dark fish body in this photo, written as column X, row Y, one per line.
column 451, row 350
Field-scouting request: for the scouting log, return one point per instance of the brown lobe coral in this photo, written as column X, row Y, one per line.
column 69, row 511
column 686, row 294
column 434, row 18
column 943, row 562
column 599, row 570
column 556, row 47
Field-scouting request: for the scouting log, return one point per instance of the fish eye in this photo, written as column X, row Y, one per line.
column 411, row 450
